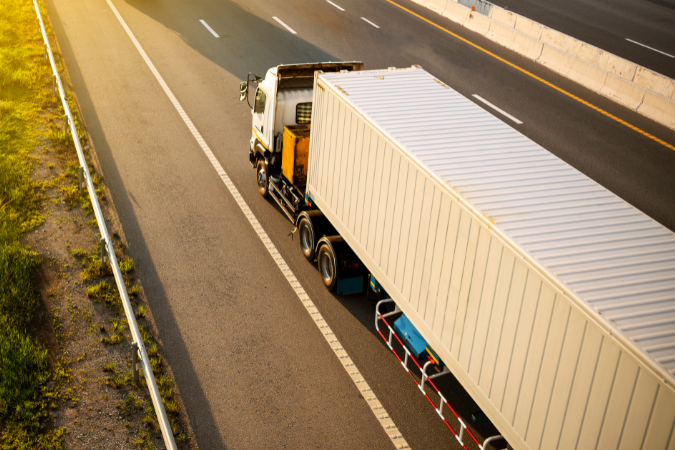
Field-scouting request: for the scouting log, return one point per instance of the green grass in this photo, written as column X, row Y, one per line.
column 101, row 290
column 78, row 253
column 28, row 109
column 133, row 401
column 127, row 265
column 24, row 95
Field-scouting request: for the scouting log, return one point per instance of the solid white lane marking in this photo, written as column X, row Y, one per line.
column 375, row 406
column 370, row 22
column 285, row 26
column 338, row 7
column 209, row 28
column 497, row 109
column 650, row 48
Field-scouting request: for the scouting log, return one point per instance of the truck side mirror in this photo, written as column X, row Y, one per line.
column 243, row 90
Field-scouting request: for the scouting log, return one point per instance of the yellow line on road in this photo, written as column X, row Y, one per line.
column 559, row 89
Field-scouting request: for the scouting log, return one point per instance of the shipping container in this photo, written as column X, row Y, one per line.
column 549, row 298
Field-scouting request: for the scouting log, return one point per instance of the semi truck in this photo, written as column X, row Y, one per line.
column 549, row 298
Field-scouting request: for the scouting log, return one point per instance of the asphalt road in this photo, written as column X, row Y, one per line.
column 251, row 366
column 609, row 24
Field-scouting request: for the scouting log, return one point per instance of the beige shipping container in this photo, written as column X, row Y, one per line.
column 550, row 299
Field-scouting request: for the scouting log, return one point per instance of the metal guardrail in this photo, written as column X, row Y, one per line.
column 106, row 243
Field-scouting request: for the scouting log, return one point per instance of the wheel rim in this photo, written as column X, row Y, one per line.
column 262, row 178
column 306, row 239
column 326, row 267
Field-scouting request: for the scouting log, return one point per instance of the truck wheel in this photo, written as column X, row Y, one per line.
column 307, row 239
column 261, row 178
column 327, row 266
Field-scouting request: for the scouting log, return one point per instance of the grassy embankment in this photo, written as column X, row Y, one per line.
column 25, row 92
column 32, row 391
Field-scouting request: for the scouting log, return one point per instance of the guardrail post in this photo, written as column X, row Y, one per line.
column 80, row 177
column 103, row 254
column 66, row 125
column 134, row 362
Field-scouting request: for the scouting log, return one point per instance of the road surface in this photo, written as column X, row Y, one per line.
column 253, row 369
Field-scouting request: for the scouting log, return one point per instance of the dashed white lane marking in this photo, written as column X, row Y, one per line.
column 209, row 28
column 375, row 406
column 650, row 48
column 285, row 26
column 370, row 22
column 501, row 111
column 338, row 7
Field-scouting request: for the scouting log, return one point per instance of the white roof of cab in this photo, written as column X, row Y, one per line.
column 605, row 251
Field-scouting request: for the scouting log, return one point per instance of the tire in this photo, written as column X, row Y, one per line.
column 261, row 179
column 327, row 267
column 307, row 239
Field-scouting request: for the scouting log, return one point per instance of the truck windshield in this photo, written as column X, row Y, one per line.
column 260, row 98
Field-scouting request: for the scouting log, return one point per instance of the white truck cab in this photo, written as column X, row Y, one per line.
column 282, row 98
column 263, row 112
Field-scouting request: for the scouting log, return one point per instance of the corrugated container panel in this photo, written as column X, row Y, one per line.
column 662, row 416
column 529, row 381
column 551, row 299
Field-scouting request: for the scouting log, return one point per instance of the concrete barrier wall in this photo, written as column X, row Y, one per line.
column 515, row 40
column 660, row 108
column 437, row 6
column 503, row 16
column 623, row 91
column 529, row 27
column 587, row 74
column 654, row 81
column 585, row 51
column 501, row 34
column 456, row 12
column 618, row 66
column 556, row 60
column 527, row 46
column 630, row 85
column 556, row 39
column 477, row 22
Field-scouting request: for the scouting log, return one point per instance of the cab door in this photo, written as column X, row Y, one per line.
column 261, row 116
